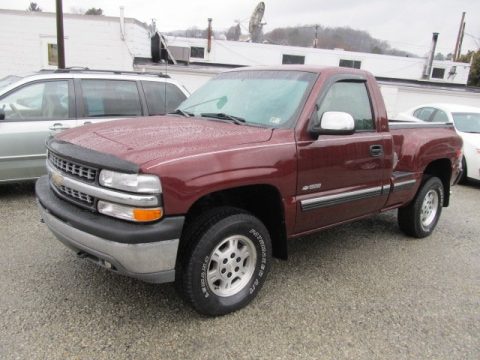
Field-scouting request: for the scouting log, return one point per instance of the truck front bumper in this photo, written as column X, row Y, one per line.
column 144, row 251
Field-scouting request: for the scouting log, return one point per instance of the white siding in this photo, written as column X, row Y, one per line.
column 91, row 41
column 245, row 53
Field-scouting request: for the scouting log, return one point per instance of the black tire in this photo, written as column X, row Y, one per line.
column 204, row 254
column 419, row 218
column 463, row 179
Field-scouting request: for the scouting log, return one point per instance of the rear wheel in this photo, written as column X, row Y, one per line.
column 225, row 262
column 419, row 218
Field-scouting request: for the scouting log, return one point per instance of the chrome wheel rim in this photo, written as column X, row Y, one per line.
column 429, row 208
column 231, row 266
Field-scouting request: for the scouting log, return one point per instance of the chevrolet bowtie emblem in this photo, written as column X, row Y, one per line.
column 57, row 179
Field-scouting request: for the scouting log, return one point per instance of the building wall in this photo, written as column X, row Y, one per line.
column 245, row 53
column 91, row 41
column 399, row 98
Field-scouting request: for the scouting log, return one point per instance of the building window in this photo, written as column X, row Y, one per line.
column 350, row 63
column 438, row 73
column 293, row 59
column 52, row 54
column 197, row 52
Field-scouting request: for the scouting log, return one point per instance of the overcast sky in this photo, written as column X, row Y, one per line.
column 405, row 24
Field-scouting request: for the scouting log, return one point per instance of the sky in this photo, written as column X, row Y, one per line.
column 406, row 24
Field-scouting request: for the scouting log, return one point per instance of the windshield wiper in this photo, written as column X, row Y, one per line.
column 222, row 116
column 181, row 112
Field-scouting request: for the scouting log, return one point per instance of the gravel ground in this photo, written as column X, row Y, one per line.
column 360, row 291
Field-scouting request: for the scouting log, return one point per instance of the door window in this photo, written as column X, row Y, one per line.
column 38, row 101
column 352, row 98
column 162, row 97
column 440, row 116
column 424, row 113
column 103, row 98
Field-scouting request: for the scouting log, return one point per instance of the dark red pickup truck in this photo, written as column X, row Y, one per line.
column 257, row 156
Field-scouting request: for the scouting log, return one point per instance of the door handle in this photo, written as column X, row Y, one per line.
column 58, row 126
column 376, row 150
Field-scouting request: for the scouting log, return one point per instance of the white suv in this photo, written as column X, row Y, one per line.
column 35, row 106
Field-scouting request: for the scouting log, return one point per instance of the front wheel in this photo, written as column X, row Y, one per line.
column 226, row 262
column 419, row 218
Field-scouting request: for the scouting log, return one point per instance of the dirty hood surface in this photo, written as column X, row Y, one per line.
column 163, row 138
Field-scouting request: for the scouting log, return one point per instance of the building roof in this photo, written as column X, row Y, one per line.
column 72, row 16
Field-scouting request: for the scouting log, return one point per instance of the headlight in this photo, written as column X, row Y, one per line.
column 129, row 213
column 138, row 183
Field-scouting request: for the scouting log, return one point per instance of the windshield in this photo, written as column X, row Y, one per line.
column 266, row 98
column 467, row 122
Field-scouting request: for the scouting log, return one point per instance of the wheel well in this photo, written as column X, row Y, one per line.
column 262, row 201
column 442, row 169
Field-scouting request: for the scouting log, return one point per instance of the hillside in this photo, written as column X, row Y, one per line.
column 330, row 38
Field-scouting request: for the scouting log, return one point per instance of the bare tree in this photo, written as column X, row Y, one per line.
column 330, row 38
column 234, row 32
column 77, row 10
column 33, row 7
column 94, row 11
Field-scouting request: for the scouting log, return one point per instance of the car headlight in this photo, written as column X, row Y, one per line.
column 137, row 183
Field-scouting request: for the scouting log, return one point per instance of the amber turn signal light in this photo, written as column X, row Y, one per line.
column 144, row 215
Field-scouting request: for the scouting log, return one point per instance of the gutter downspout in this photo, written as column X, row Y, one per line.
column 122, row 23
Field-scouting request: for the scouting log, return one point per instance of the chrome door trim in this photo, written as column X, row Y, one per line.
column 336, row 199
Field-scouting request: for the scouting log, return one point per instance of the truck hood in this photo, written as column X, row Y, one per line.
column 163, row 138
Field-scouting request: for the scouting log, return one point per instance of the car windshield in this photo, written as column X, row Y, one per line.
column 467, row 122
column 266, row 98
column 7, row 80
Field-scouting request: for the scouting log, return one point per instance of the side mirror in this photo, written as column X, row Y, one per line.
column 2, row 113
column 332, row 123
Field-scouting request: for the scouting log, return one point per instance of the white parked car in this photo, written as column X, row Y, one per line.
column 466, row 120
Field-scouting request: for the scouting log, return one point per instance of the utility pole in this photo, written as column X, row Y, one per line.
column 428, row 66
column 60, row 37
column 209, row 35
column 316, row 37
column 456, row 52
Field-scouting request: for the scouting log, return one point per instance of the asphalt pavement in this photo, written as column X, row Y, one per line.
column 358, row 291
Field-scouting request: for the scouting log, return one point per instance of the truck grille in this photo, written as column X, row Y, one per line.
column 76, row 195
column 82, row 172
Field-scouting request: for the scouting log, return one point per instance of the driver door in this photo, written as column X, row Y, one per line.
column 30, row 114
column 341, row 177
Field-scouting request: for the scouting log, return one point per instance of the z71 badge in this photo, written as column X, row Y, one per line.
column 312, row 187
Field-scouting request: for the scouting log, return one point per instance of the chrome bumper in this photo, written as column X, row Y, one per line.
column 152, row 262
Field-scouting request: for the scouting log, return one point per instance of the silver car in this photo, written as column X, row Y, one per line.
column 36, row 106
